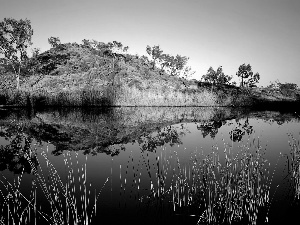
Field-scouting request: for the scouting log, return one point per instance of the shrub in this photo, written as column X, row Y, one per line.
column 287, row 89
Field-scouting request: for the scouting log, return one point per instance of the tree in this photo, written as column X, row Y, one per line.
column 15, row 38
column 35, row 52
column 166, row 61
column 253, row 80
column 216, row 77
column 117, row 47
column 155, row 52
column 177, row 64
column 245, row 72
column 210, row 76
column 54, row 41
column 187, row 72
column 33, row 62
column 287, row 88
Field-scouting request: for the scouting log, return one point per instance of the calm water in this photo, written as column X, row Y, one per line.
column 149, row 165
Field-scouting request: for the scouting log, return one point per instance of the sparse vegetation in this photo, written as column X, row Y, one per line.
column 94, row 73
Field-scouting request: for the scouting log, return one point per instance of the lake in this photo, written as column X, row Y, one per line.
column 149, row 165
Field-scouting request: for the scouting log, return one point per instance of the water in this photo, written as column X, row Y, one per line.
column 149, row 165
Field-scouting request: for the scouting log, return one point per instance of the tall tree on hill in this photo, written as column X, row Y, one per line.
column 15, row 38
column 248, row 78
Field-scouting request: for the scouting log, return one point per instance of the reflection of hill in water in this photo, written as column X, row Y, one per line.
column 97, row 131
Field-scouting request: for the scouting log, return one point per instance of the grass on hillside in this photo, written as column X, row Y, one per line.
column 128, row 89
column 78, row 90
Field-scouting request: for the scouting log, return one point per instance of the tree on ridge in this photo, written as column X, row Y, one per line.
column 15, row 38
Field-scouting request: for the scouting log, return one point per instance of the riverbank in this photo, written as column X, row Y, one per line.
column 86, row 89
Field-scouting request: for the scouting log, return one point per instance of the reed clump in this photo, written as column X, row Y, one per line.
column 68, row 201
column 295, row 164
column 215, row 191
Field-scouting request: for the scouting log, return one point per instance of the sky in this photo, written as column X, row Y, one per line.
column 227, row 33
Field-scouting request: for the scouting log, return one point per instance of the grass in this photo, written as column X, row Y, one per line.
column 63, row 206
column 142, row 97
column 215, row 191
column 83, row 90
column 295, row 165
column 107, row 96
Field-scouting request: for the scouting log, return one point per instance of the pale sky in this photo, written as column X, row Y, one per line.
column 228, row 33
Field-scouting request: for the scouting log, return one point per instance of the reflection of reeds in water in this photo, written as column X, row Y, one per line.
column 69, row 201
column 295, row 164
column 215, row 191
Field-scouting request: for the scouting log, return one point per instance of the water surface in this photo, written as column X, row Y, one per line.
column 149, row 165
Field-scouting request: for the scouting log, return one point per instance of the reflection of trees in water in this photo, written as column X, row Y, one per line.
column 112, row 149
column 210, row 128
column 167, row 135
column 16, row 155
column 240, row 130
column 280, row 118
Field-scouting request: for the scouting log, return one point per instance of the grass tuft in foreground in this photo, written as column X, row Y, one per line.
column 69, row 202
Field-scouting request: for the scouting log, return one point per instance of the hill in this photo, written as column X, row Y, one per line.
column 99, row 74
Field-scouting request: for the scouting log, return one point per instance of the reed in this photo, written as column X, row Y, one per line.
column 215, row 191
column 295, row 164
column 69, row 201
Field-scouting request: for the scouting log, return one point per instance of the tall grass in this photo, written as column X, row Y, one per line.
column 107, row 96
column 134, row 96
column 68, row 201
column 74, row 98
column 215, row 191
column 295, row 164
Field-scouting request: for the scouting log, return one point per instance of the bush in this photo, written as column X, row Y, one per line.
column 287, row 89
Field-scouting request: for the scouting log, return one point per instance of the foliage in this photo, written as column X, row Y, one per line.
column 287, row 88
column 174, row 65
column 13, row 156
column 54, row 41
column 15, row 38
column 155, row 52
column 240, row 130
column 216, row 77
column 177, row 64
column 248, row 78
column 48, row 61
